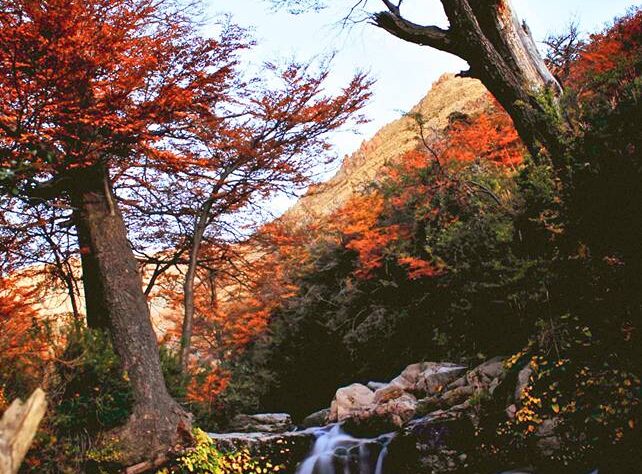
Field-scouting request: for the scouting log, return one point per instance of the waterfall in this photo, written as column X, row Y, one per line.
column 336, row 452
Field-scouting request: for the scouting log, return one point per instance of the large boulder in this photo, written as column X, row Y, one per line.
column 350, row 401
column 263, row 423
column 384, row 417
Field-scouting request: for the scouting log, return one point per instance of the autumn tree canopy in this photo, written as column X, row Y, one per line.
column 101, row 91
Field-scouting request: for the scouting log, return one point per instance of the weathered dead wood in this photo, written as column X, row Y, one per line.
column 501, row 53
column 147, row 466
column 17, row 429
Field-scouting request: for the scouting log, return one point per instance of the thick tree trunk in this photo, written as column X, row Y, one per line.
column 157, row 422
column 95, row 298
column 502, row 54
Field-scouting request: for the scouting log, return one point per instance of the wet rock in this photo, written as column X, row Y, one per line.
column 432, row 444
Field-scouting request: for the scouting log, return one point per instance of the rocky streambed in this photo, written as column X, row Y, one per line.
column 422, row 421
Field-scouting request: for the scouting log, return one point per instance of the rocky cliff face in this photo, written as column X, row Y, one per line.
column 448, row 95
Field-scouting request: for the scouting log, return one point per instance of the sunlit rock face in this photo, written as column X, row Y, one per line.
column 448, row 95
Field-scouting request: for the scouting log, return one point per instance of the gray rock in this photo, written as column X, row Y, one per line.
column 523, row 379
column 374, row 386
column 457, row 396
column 511, row 411
column 460, row 382
column 435, row 379
column 395, row 411
column 548, row 442
column 263, row 423
column 408, row 378
column 482, row 375
column 318, row 418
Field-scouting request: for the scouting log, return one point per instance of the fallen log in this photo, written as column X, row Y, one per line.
column 17, row 429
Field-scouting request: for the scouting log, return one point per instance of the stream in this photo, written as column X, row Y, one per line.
column 336, row 452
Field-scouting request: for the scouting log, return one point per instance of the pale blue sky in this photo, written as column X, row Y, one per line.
column 403, row 71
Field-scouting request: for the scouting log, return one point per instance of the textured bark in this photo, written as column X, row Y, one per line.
column 501, row 53
column 18, row 426
column 157, row 422
column 95, row 299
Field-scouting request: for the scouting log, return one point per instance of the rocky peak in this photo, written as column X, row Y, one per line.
column 448, row 95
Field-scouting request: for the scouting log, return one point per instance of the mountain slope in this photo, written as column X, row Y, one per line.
column 448, row 95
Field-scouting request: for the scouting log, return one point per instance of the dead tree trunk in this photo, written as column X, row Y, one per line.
column 502, row 54
column 18, row 426
column 157, row 421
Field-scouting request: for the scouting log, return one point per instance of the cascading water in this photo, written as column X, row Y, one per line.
column 336, row 452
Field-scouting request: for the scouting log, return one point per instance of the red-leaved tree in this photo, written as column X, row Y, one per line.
column 93, row 90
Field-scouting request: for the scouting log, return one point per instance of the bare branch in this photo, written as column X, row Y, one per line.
column 395, row 24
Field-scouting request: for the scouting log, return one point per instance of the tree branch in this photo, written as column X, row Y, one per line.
column 395, row 24
column 47, row 190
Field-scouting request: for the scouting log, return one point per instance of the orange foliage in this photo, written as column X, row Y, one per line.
column 22, row 345
column 490, row 136
column 207, row 390
column 368, row 223
column 614, row 54
column 418, row 268
column 357, row 221
column 103, row 77
column 255, row 286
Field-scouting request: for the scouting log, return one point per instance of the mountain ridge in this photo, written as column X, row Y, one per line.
column 449, row 94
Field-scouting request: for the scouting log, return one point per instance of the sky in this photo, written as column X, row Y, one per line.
column 403, row 71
